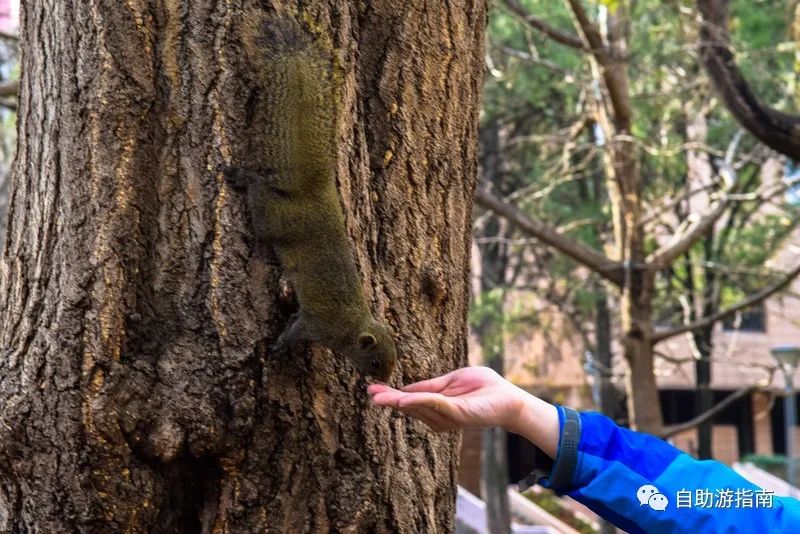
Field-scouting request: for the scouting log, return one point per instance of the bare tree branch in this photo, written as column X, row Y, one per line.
column 671, row 430
column 611, row 270
column 743, row 366
column 658, row 211
column 533, row 59
column 683, row 241
column 559, row 36
column 588, row 30
column 752, row 300
column 777, row 130
column 765, row 194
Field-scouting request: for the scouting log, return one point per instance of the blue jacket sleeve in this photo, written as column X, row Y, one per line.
column 643, row 484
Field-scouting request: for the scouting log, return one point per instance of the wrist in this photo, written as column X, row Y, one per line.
column 537, row 421
column 517, row 407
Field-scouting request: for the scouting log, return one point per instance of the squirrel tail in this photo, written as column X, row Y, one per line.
column 276, row 36
column 296, row 75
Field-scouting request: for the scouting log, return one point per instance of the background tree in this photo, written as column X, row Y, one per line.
column 135, row 394
column 521, row 108
column 637, row 108
column 488, row 321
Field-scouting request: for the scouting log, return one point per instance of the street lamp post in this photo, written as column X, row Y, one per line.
column 788, row 358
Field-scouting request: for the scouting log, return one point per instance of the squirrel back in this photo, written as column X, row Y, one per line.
column 294, row 204
column 295, row 72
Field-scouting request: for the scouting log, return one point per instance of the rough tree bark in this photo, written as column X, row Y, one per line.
column 136, row 392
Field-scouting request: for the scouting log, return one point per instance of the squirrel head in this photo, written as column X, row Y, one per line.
column 373, row 351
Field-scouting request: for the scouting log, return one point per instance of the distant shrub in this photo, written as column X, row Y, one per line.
column 775, row 464
column 548, row 501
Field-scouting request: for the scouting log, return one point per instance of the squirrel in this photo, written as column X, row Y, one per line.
column 294, row 205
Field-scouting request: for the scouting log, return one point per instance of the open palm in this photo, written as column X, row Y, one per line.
column 469, row 397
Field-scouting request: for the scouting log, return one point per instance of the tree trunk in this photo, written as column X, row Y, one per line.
column 703, row 340
column 644, row 407
column 494, row 480
column 494, row 447
column 609, row 397
column 704, row 395
column 135, row 392
column 489, row 331
column 624, row 183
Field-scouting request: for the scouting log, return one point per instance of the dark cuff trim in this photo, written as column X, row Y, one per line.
column 567, row 458
column 558, row 474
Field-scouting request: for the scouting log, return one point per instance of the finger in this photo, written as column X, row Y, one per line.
column 373, row 389
column 433, row 420
column 433, row 385
column 435, row 402
column 431, row 416
column 387, row 398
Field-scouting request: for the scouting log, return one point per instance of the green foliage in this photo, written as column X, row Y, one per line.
column 612, row 5
column 759, row 30
column 537, row 89
column 548, row 501
column 487, row 318
column 487, row 307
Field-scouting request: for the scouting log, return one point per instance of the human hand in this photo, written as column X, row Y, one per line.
column 468, row 397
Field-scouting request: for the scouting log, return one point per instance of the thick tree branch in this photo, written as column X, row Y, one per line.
column 683, row 241
column 559, row 36
column 777, row 130
column 611, row 270
column 612, row 67
column 9, row 88
column 752, row 300
column 589, row 31
column 672, row 430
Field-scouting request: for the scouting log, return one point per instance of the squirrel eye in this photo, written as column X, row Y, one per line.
column 374, row 365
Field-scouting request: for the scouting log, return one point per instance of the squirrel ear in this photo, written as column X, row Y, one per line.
column 366, row 341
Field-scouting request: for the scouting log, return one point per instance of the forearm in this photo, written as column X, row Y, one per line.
column 614, row 465
column 537, row 421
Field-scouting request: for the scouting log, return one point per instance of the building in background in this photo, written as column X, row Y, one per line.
column 552, row 367
column 9, row 16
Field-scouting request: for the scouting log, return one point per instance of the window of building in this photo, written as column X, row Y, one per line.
column 750, row 320
column 791, row 176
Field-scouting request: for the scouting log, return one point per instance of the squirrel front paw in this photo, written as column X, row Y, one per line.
column 236, row 177
column 290, row 337
column 280, row 349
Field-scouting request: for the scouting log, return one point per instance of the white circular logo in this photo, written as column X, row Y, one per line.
column 650, row 496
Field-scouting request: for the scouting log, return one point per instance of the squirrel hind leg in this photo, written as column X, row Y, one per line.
column 239, row 178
